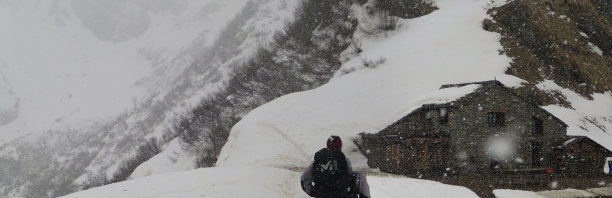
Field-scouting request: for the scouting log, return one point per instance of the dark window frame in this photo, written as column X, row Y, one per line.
column 496, row 118
column 537, row 126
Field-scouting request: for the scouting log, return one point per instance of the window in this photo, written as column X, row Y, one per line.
column 496, row 118
column 536, row 154
column 443, row 116
column 537, row 126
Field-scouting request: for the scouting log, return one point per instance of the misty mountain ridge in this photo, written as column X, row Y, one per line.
column 72, row 145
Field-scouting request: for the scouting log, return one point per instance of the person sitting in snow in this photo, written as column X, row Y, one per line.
column 331, row 175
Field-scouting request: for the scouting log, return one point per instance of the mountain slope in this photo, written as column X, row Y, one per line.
column 184, row 41
column 563, row 50
column 8, row 102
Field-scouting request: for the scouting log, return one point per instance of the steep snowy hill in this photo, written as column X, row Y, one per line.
column 97, row 79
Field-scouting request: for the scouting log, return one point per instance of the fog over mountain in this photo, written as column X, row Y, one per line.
column 84, row 82
column 73, row 61
column 8, row 102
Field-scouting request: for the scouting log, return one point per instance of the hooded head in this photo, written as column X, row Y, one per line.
column 334, row 142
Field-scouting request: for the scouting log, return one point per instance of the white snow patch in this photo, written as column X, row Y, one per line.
column 407, row 187
column 595, row 49
column 566, row 193
column 209, row 182
column 498, row 3
column 515, row 194
column 172, row 159
column 511, row 81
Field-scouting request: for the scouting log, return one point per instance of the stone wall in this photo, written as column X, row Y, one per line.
column 474, row 143
column 582, row 156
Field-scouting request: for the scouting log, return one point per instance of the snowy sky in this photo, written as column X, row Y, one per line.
column 67, row 62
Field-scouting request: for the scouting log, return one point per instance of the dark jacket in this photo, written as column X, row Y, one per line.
column 359, row 186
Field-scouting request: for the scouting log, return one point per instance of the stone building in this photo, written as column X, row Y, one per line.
column 580, row 155
column 491, row 127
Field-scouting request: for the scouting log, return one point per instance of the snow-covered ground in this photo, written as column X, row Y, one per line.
column 172, row 158
column 254, row 181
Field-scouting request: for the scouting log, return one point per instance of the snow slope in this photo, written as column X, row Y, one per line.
column 446, row 46
column 257, row 182
column 172, row 159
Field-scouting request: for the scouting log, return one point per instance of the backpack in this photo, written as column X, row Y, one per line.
column 331, row 175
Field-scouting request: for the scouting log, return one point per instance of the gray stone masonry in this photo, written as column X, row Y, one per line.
column 475, row 143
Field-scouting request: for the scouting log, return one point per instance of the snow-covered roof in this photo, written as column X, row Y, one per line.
column 435, row 102
column 571, row 141
column 496, row 82
column 591, row 118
